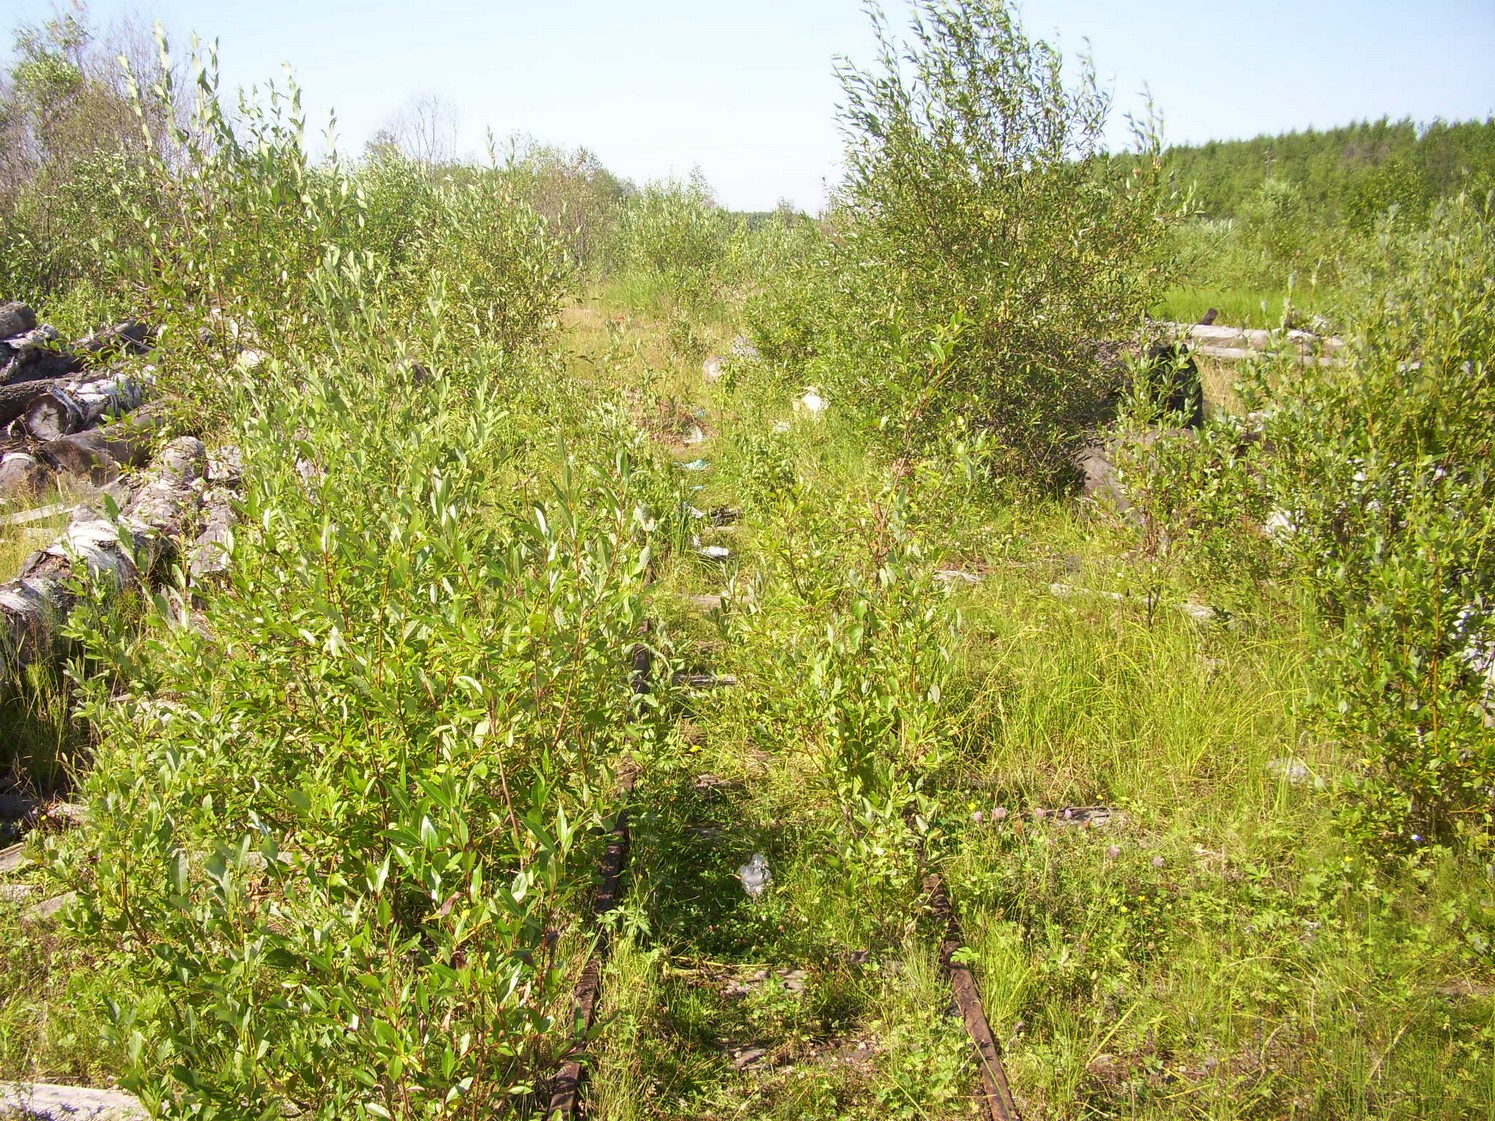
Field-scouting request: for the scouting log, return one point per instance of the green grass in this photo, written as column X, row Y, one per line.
column 17, row 542
column 1243, row 307
column 1216, row 950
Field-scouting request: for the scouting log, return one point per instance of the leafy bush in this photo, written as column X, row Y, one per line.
column 352, row 816
column 974, row 195
column 69, row 133
column 673, row 238
column 1384, row 473
column 579, row 198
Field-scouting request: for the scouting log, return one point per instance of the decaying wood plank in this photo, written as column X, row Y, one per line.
column 996, row 1094
column 12, row 858
column 49, row 907
column 40, row 514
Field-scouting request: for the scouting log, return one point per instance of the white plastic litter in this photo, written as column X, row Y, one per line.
column 1279, row 524
column 956, row 576
column 755, row 875
column 812, row 402
column 1293, row 771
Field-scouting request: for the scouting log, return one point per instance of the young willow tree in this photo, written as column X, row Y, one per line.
column 988, row 240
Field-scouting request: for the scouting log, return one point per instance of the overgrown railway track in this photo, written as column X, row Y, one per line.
column 569, row 1102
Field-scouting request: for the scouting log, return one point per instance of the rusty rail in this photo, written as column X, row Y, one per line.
column 996, row 1095
column 566, row 1086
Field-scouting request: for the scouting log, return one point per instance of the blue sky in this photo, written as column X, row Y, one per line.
column 746, row 91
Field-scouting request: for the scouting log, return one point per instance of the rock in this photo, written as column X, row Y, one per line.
column 226, row 466
column 748, row 1057
column 16, row 319
column 86, row 455
column 210, row 552
column 1099, row 477
column 35, row 1099
column 711, row 369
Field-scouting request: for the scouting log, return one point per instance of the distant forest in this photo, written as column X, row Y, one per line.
column 1347, row 175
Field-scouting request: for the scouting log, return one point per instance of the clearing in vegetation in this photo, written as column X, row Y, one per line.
column 1206, row 768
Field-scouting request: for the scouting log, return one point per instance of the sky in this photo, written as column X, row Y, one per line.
column 747, row 91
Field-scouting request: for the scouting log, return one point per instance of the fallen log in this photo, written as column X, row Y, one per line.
column 22, row 476
column 99, row 453
column 53, row 413
column 129, row 337
column 35, row 606
column 16, row 396
column 36, row 353
column 64, row 409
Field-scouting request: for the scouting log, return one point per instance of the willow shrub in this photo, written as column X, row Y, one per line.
column 348, row 821
column 671, row 242
column 976, row 194
column 228, row 232
column 1384, row 473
